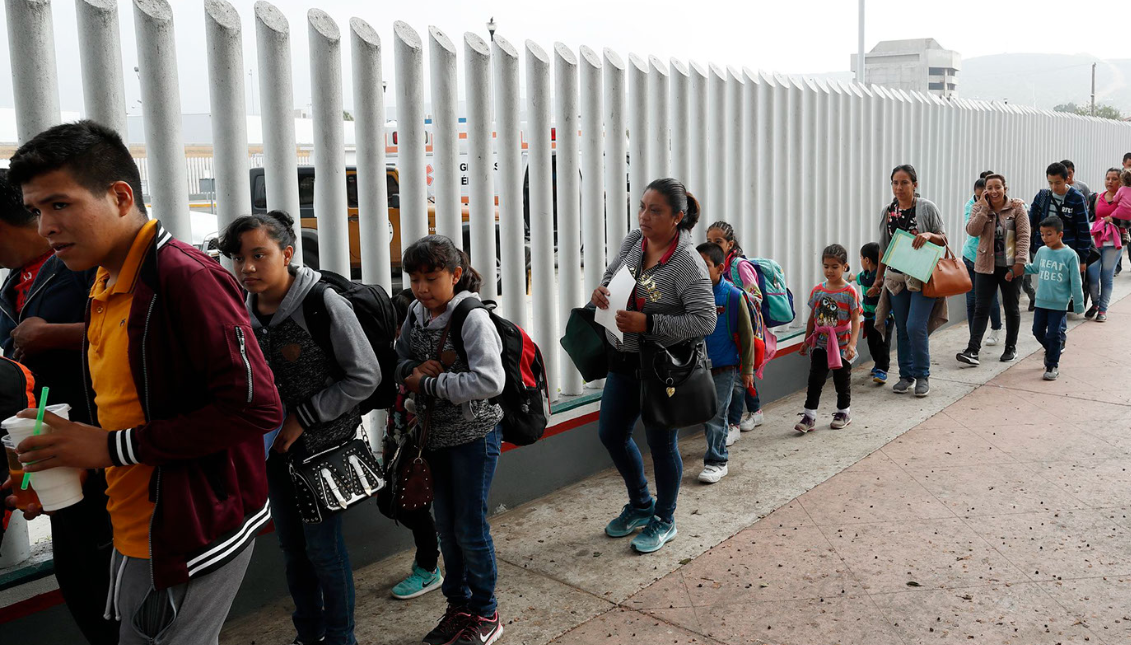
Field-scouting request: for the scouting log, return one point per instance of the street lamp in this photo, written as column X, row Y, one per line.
column 491, row 28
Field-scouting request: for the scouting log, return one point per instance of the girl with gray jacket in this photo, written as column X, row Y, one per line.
column 322, row 388
column 673, row 301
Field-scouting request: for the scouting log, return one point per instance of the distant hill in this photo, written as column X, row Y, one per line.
column 1040, row 80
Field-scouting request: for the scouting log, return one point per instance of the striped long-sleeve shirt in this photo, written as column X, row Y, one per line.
column 677, row 293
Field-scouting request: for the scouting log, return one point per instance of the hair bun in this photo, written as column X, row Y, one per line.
column 283, row 217
column 691, row 216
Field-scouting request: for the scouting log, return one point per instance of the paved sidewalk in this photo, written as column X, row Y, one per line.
column 989, row 512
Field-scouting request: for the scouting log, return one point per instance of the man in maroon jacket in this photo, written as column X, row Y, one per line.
column 176, row 383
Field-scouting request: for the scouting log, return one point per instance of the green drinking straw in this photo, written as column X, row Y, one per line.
column 38, row 425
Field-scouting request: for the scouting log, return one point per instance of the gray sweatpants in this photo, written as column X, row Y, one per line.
column 188, row 614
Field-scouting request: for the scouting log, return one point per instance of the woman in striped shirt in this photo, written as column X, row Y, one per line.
column 672, row 302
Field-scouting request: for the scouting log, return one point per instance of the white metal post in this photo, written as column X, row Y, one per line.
column 100, row 37
column 569, row 205
column 161, row 103
column 508, row 149
column 678, row 115
column 778, row 226
column 659, row 141
column 592, row 172
column 617, row 200
column 369, row 136
column 276, row 92
column 229, row 123
column 330, row 204
column 408, row 55
column 697, row 133
column 749, row 178
column 445, row 137
column 545, row 328
column 714, row 207
column 735, row 177
column 481, row 163
column 638, row 163
column 760, row 241
column 31, row 50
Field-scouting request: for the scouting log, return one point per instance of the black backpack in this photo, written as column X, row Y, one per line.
column 526, row 394
column 378, row 318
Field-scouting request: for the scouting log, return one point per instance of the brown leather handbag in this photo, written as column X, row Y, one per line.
column 950, row 278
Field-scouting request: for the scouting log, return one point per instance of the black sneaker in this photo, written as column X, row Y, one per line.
column 450, row 627
column 1009, row 355
column 1091, row 312
column 1032, row 305
column 968, row 357
column 481, row 631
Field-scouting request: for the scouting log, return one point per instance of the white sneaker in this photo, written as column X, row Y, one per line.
column 995, row 337
column 732, row 436
column 750, row 420
column 712, row 474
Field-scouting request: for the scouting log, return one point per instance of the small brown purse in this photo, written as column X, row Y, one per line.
column 949, row 278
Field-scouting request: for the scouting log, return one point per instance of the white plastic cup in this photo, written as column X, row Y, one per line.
column 58, row 487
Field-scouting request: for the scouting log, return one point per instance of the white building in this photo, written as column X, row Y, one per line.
column 914, row 65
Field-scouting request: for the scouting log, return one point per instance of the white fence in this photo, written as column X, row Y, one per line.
column 793, row 163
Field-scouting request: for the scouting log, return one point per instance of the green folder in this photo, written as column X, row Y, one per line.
column 917, row 263
column 585, row 343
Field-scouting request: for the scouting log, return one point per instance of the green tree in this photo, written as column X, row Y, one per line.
column 1102, row 111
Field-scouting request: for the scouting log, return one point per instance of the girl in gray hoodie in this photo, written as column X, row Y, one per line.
column 454, row 390
column 322, row 389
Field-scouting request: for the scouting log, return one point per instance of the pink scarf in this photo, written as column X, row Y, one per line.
column 833, row 348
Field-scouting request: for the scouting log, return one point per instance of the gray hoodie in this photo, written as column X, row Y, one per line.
column 352, row 352
column 461, row 412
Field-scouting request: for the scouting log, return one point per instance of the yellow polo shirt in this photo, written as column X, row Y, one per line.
column 116, row 395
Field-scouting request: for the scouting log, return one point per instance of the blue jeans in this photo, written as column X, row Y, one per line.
column 318, row 569
column 995, row 306
column 742, row 398
column 912, row 311
column 1099, row 277
column 717, row 428
column 620, row 409
column 1046, row 327
column 462, row 478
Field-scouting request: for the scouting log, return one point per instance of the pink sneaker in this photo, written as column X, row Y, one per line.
column 806, row 424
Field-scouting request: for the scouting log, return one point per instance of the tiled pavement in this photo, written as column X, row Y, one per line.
column 990, row 512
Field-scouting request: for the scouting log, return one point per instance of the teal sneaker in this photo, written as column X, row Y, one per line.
column 655, row 535
column 418, row 583
column 630, row 519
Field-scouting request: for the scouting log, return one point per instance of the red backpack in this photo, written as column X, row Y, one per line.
column 526, row 394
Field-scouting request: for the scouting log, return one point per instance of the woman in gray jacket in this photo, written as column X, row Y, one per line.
column 1002, row 227
column 914, row 312
column 672, row 302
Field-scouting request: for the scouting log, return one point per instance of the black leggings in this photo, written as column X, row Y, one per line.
column 819, row 373
column 985, row 286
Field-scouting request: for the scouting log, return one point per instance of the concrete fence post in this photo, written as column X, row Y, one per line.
column 749, row 180
column 714, row 202
column 161, row 104
column 592, row 175
column 229, row 123
column 31, row 50
column 369, row 135
column 697, row 136
column 508, row 149
column 330, row 203
column 445, row 136
column 408, row 55
column 659, row 139
column 679, row 107
column 569, row 205
column 618, row 203
column 541, row 206
column 638, row 164
column 276, row 94
column 735, row 177
column 100, row 37
column 481, row 165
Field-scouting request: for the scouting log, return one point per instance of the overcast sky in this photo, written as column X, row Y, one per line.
column 796, row 36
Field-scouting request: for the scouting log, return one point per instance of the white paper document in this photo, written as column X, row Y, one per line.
column 620, row 290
